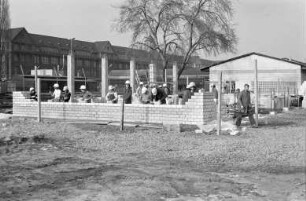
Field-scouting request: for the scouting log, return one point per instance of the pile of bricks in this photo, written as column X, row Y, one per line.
column 200, row 109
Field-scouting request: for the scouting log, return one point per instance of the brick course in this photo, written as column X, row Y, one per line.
column 200, row 109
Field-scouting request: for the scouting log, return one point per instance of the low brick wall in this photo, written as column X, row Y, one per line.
column 200, row 109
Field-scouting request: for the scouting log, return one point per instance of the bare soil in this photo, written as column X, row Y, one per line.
column 85, row 162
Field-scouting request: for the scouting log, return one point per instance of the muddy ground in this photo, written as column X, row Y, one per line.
column 85, row 162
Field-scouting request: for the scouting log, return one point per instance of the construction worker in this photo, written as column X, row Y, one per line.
column 127, row 96
column 244, row 102
column 145, row 97
column 166, row 89
column 112, row 94
column 86, row 95
column 56, row 93
column 138, row 90
column 215, row 93
column 189, row 91
column 33, row 94
column 66, row 95
column 158, row 95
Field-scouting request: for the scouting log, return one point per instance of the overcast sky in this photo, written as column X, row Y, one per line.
column 273, row 27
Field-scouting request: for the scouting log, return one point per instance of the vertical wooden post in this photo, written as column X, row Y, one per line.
column 256, row 92
column 35, row 79
column 298, row 97
column 288, row 97
column 219, row 105
column 122, row 116
column 39, row 99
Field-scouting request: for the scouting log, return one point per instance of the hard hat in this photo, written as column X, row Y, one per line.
column 165, row 85
column 190, row 85
column 31, row 88
column 65, row 88
column 154, row 91
column 127, row 82
column 111, row 87
column 83, row 87
column 144, row 90
column 56, row 85
column 140, row 83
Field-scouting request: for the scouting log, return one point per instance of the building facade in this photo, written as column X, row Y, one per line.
column 49, row 54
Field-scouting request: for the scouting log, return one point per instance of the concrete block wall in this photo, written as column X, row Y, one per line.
column 200, row 109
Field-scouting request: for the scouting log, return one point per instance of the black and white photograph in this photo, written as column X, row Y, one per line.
column 152, row 100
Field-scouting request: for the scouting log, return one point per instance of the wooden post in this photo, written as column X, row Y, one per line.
column 122, row 116
column 288, row 98
column 256, row 92
column 219, row 105
column 36, row 86
column 298, row 97
column 39, row 99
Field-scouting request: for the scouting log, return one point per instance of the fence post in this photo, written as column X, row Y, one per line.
column 219, row 105
column 122, row 116
column 39, row 99
column 256, row 91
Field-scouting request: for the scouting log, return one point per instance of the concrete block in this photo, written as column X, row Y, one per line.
column 172, row 127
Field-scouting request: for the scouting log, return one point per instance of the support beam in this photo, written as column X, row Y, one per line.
column 104, row 75
column 132, row 74
column 71, row 74
column 152, row 73
column 38, row 100
column 219, row 104
column 175, row 78
column 256, row 92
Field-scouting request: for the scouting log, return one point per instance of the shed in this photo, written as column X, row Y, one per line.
column 274, row 74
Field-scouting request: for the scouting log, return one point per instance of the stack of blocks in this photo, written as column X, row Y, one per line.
column 199, row 110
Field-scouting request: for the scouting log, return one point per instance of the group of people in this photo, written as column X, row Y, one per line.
column 64, row 95
column 145, row 93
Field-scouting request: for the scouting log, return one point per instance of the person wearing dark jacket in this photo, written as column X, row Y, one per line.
column 190, row 89
column 127, row 96
column 215, row 93
column 158, row 95
column 33, row 94
column 244, row 101
column 66, row 94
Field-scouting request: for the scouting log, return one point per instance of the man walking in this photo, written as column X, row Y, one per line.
column 244, row 101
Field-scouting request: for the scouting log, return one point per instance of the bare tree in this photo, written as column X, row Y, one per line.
column 4, row 35
column 180, row 27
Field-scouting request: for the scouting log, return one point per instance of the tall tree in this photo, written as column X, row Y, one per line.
column 180, row 27
column 5, row 24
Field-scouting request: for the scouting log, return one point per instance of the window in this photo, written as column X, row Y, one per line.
column 44, row 60
column 22, row 58
column 16, row 57
column 87, row 63
column 54, row 60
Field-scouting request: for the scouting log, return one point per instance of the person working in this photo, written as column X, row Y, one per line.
column 86, row 95
column 112, row 95
column 244, row 102
column 127, row 96
column 66, row 95
column 145, row 97
column 33, row 94
column 189, row 91
column 56, row 93
column 215, row 93
column 158, row 95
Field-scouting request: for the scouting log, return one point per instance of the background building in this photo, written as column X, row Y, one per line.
column 49, row 54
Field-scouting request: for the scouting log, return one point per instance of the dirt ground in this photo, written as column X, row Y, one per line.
column 90, row 162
